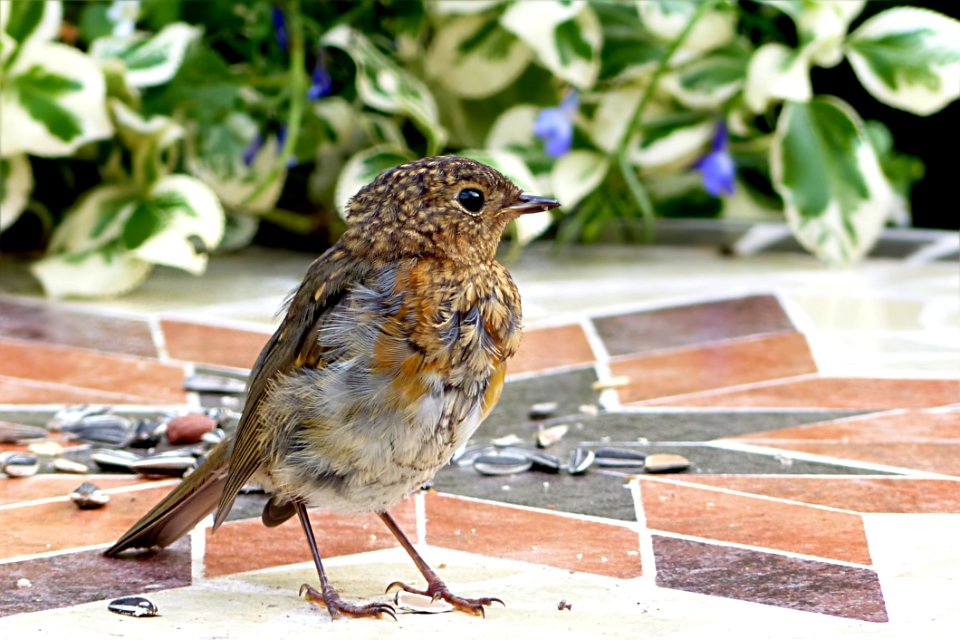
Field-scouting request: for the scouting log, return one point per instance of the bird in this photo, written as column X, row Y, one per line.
column 391, row 352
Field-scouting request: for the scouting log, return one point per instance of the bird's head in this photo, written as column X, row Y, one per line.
column 447, row 206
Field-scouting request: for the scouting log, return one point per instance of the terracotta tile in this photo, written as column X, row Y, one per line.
column 85, row 576
column 549, row 348
column 246, row 545
column 58, row 485
column 689, row 325
column 831, row 393
column 529, row 536
column 19, row 391
column 904, row 426
column 866, row 495
column 212, row 345
column 54, row 324
column 754, row 521
column 767, row 578
column 922, row 456
column 55, row 526
column 96, row 371
column 713, row 366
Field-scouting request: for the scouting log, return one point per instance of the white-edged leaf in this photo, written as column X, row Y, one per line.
column 16, row 183
column 238, row 231
column 362, row 168
column 822, row 26
column 513, row 127
column 150, row 61
column 527, row 226
column 612, row 116
column 822, row 165
column 908, row 58
column 677, row 139
column 576, row 174
column 667, row 18
column 474, row 57
column 707, row 82
column 148, row 139
column 566, row 37
column 191, row 211
column 95, row 221
column 383, row 85
column 777, row 72
column 90, row 275
column 461, row 6
column 31, row 22
column 53, row 101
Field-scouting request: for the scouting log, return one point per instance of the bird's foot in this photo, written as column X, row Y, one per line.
column 339, row 607
column 437, row 590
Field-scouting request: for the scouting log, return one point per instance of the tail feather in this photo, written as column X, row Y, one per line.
column 182, row 508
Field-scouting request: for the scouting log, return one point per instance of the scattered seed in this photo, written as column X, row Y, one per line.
column 611, row 383
column 416, row 603
column 148, row 433
column 24, row 583
column 579, row 461
column 19, row 465
column 207, row 383
column 664, row 462
column 170, row 464
column 542, row 410
column 214, row 437
column 506, row 441
column 114, row 459
column 74, row 413
column 607, row 457
column 543, row 461
column 11, row 433
column 501, row 465
column 133, row 606
column 48, row 448
column 89, row 496
column 589, row 409
column 106, row 428
column 551, row 435
column 65, row 465
column 564, row 605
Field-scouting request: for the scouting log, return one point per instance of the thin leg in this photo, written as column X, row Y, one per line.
column 328, row 595
column 436, row 589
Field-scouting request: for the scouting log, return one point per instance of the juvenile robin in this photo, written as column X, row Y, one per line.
column 391, row 353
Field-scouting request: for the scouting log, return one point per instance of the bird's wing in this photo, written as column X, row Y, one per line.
column 294, row 344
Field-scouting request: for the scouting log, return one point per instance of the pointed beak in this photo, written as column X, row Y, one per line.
column 527, row 203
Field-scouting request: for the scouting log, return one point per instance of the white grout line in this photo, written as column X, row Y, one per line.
column 648, row 561
column 198, row 550
column 52, row 554
column 608, row 399
column 748, row 386
column 749, row 547
column 111, row 491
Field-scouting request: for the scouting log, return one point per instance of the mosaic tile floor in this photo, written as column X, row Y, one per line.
column 820, row 411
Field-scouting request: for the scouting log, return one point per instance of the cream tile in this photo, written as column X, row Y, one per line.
column 911, row 354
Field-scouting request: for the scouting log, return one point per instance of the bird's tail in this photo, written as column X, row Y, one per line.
column 182, row 508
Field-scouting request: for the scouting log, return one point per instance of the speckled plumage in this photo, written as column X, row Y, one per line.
column 391, row 353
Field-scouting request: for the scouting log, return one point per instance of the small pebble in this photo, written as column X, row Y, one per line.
column 664, row 462
column 579, row 461
column 65, row 465
column 48, row 448
column 19, row 465
column 542, row 410
column 89, row 496
column 133, row 606
column 507, row 441
column 564, row 605
column 589, row 409
column 501, row 465
column 416, row 603
column 190, row 428
column 611, row 383
column 551, row 435
column 24, row 583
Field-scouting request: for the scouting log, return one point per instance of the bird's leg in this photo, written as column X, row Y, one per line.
column 436, row 589
column 328, row 595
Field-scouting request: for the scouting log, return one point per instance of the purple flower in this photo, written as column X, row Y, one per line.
column 279, row 27
column 251, row 151
column 717, row 168
column 555, row 125
column 320, row 81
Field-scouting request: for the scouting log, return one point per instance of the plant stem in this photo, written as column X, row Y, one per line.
column 629, row 173
column 298, row 96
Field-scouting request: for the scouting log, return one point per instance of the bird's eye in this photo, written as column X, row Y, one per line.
column 471, row 200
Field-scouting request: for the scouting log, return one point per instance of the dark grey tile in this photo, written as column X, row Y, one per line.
column 85, row 576
column 691, row 325
column 569, row 390
column 767, row 578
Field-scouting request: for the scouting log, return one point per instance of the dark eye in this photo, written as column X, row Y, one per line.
column 471, row 200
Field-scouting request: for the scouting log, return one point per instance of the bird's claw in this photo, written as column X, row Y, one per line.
column 338, row 607
column 439, row 591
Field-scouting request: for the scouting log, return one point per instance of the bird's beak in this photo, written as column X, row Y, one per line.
column 527, row 203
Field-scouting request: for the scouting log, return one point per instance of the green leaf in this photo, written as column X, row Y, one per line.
column 31, row 22
column 667, row 19
column 16, row 183
column 837, row 198
column 628, row 49
column 576, row 174
column 150, row 61
column 94, row 22
column 908, row 58
column 570, row 43
column 38, row 90
column 144, row 221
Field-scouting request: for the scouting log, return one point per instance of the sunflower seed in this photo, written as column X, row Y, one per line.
column 133, row 606
column 65, row 465
column 114, row 459
column 19, row 465
column 551, row 435
column 206, row 383
column 543, row 461
column 501, row 465
column 148, row 433
column 46, row 448
column 506, row 441
column 101, row 429
column 467, row 455
column 664, row 462
column 607, row 457
column 416, row 603
column 579, row 461
column 542, row 410
column 164, row 465
column 13, row 433
column 214, row 437
column 75, row 413
column 89, row 496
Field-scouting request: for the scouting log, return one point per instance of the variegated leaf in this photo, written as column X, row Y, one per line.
column 53, row 101
column 566, row 37
column 908, row 58
column 89, row 275
column 474, row 57
column 461, row 6
column 777, row 72
column 612, row 116
column 822, row 26
column 576, row 174
column 383, row 85
column 671, row 140
column 152, row 60
column 514, row 127
column 362, row 168
column 667, row 19
column 16, row 183
column 711, row 80
column 28, row 23
column 822, row 165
